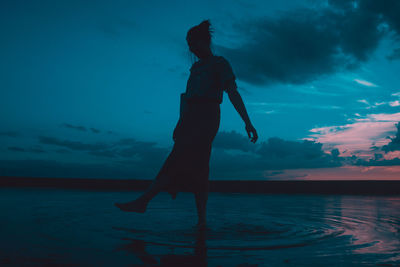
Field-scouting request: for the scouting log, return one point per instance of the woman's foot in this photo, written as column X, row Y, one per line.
column 133, row 206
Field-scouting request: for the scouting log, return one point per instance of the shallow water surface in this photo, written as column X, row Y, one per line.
column 83, row 228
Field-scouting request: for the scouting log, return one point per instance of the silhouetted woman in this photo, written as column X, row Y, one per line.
column 187, row 166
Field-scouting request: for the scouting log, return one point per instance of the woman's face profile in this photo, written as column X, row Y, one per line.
column 198, row 47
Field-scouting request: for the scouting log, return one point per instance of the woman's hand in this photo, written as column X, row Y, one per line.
column 251, row 129
column 237, row 102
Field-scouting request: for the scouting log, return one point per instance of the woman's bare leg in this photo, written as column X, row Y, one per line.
column 201, row 204
column 154, row 189
column 140, row 204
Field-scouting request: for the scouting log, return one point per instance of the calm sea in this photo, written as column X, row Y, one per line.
column 82, row 228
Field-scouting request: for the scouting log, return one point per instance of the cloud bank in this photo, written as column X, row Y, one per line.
column 301, row 45
column 233, row 157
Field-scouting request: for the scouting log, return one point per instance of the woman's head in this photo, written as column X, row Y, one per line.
column 199, row 38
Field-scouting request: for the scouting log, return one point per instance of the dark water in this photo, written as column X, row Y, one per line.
column 82, row 228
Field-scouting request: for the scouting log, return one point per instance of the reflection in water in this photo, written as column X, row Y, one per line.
column 368, row 221
column 335, row 228
column 81, row 228
column 198, row 256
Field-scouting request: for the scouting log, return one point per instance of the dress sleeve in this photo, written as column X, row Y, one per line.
column 227, row 77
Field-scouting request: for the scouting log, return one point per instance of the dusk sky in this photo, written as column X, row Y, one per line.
column 91, row 89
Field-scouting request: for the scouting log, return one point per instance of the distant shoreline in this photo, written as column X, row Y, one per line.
column 353, row 187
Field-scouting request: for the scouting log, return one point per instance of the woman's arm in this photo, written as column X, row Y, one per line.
column 237, row 102
column 228, row 83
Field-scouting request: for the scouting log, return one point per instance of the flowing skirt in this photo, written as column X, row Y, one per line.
column 187, row 165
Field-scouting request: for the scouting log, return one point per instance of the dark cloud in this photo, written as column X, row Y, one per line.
column 284, row 154
column 273, row 147
column 233, row 140
column 335, row 153
column 79, row 128
column 16, row 148
column 73, row 145
column 20, row 149
column 137, row 159
column 394, row 144
column 95, row 130
column 301, row 45
column 388, row 10
column 51, row 168
column 129, row 158
column 9, row 134
column 145, row 152
column 128, row 142
column 378, row 156
column 104, row 153
column 279, row 148
column 233, row 157
column 378, row 162
column 259, row 160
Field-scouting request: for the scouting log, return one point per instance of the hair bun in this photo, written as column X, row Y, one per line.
column 201, row 31
column 205, row 25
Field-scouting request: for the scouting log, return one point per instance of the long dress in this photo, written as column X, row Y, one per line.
column 187, row 165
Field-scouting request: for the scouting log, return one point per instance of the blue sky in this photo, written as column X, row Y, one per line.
column 91, row 89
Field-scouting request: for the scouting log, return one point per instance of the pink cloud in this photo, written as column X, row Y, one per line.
column 358, row 137
column 392, row 155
